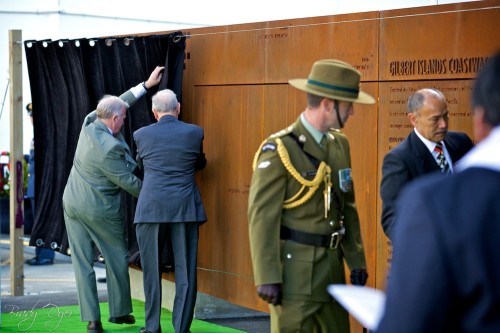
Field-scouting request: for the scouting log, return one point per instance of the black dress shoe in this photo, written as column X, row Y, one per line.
column 39, row 261
column 94, row 326
column 127, row 319
column 143, row 330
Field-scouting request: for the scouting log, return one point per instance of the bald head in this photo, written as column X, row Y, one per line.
column 428, row 113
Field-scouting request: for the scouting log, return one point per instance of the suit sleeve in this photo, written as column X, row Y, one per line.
column 267, row 190
column 201, row 161
column 129, row 98
column 116, row 167
column 418, row 286
column 138, row 157
column 395, row 175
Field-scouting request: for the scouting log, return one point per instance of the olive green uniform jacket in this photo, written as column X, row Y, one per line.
column 305, row 271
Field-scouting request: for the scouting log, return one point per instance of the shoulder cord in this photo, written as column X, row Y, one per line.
column 323, row 174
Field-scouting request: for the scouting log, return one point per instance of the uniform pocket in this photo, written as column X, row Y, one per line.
column 298, row 262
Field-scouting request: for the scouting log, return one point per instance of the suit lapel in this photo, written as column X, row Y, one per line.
column 452, row 148
column 422, row 154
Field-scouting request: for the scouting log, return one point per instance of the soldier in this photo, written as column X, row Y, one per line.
column 302, row 216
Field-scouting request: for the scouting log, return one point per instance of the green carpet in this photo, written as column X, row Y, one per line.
column 66, row 319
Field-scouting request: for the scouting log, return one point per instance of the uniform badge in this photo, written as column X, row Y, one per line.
column 263, row 164
column 345, row 180
column 269, row 146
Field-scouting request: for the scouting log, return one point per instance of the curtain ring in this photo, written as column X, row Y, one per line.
column 54, row 246
column 127, row 40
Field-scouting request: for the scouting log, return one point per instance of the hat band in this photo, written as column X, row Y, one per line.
column 331, row 86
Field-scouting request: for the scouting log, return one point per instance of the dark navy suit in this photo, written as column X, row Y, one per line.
column 446, row 269
column 170, row 152
column 408, row 161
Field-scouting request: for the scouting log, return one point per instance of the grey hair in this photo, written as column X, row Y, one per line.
column 165, row 101
column 109, row 106
column 416, row 101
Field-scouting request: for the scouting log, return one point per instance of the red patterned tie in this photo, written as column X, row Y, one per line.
column 440, row 158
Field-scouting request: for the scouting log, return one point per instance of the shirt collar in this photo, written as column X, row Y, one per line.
column 484, row 154
column 428, row 143
column 317, row 135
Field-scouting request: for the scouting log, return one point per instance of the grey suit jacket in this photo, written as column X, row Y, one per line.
column 102, row 166
column 408, row 161
column 170, row 151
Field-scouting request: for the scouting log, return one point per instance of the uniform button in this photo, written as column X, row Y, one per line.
column 289, row 256
column 331, row 223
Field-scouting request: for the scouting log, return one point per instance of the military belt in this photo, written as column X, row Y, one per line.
column 330, row 241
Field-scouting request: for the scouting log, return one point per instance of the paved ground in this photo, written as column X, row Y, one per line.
column 56, row 284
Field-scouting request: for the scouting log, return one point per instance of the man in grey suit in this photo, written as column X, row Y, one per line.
column 415, row 156
column 102, row 167
column 170, row 151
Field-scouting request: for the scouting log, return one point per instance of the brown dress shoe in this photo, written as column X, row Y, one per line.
column 127, row 319
column 94, row 326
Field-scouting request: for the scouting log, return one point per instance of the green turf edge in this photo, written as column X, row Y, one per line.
column 66, row 319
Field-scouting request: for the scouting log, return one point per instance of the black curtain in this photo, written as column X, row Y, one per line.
column 67, row 79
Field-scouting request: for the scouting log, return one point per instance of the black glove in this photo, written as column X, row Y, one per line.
column 270, row 293
column 359, row 276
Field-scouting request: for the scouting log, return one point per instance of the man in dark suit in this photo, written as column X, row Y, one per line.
column 446, row 264
column 416, row 155
column 170, row 151
column 93, row 215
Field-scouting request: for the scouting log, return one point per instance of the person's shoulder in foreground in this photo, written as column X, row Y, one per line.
column 446, row 258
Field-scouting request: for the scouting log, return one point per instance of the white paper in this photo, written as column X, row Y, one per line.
column 365, row 304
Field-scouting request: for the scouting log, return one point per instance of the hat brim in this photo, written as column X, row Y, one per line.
column 363, row 98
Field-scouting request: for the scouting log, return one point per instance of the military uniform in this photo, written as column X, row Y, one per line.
column 297, row 195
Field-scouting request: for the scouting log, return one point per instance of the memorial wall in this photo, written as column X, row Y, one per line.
column 441, row 47
column 235, row 86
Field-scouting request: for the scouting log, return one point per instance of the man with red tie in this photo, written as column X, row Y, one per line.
column 417, row 154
